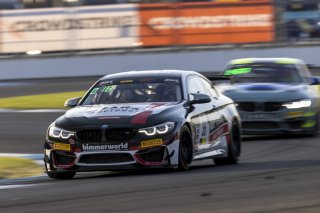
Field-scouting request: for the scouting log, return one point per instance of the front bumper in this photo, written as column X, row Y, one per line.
column 164, row 156
column 283, row 122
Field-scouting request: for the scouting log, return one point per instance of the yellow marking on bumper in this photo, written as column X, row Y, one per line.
column 152, row 142
column 295, row 114
column 62, row 146
column 310, row 113
column 309, row 123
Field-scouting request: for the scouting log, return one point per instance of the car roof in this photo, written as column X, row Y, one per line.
column 150, row 73
column 266, row 60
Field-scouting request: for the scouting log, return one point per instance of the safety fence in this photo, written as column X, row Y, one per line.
column 137, row 25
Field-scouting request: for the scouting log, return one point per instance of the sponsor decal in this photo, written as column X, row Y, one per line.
column 109, row 88
column 218, row 132
column 67, row 24
column 148, row 80
column 150, row 143
column 155, row 105
column 94, row 91
column 106, row 83
column 217, row 123
column 71, row 141
column 101, row 147
column 261, row 116
column 238, row 71
column 104, row 126
column 126, row 81
column 172, row 80
column 105, row 112
column 295, row 114
column 109, row 117
column 61, row 146
column 105, row 89
column 119, row 109
column 205, row 22
column 48, row 29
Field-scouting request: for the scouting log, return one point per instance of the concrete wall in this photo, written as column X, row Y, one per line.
column 87, row 65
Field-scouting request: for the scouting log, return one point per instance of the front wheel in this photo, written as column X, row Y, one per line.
column 185, row 149
column 234, row 147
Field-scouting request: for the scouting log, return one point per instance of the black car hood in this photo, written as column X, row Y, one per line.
column 135, row 115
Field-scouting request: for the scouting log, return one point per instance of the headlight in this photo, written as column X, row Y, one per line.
column 56, row 132
column 298, row 104
column 158, row 129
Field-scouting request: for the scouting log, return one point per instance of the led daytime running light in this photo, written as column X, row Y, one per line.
column 159, row 129
column 298, row 104
column 56, row 132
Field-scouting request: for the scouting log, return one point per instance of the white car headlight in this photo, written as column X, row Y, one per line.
column 158, row 129
column 298, row 104
column 56, row 132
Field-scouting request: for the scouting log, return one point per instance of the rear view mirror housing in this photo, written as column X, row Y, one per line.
column 72, row 102
column 314, row 80
column 199, row 98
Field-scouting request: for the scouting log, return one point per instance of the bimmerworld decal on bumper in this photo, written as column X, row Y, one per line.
column 90, row 147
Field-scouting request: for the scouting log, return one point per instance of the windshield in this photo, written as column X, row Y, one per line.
column 134, row 91
column 264, row 73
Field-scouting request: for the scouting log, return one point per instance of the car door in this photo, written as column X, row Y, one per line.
column 218, row 116
column 200, row 114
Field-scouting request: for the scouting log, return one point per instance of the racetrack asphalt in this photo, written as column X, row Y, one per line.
column 275, row 174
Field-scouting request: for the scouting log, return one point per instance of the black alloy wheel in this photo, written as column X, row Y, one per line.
column 185, row 149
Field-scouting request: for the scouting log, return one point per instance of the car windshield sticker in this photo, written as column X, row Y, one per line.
column 171, row 81
column 148, row 80
column 94, row 91
column 106, row 83
column 109, row 88
column 126, row 81
column 237, row 71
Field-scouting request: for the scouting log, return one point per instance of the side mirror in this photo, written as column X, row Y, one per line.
column 314, row 80
column 199, row 98
column 72, row 102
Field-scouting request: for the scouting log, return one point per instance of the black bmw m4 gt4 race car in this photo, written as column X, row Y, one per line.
column 144, row 119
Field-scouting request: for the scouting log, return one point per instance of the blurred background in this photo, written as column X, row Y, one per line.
column 289, row 20
column 47, row 37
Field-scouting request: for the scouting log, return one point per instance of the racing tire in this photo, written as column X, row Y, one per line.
column 185, row 149
column 61, row 175
column 234, row 147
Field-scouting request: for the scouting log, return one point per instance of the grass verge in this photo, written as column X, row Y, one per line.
column 43, row 101
column 11, row 167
